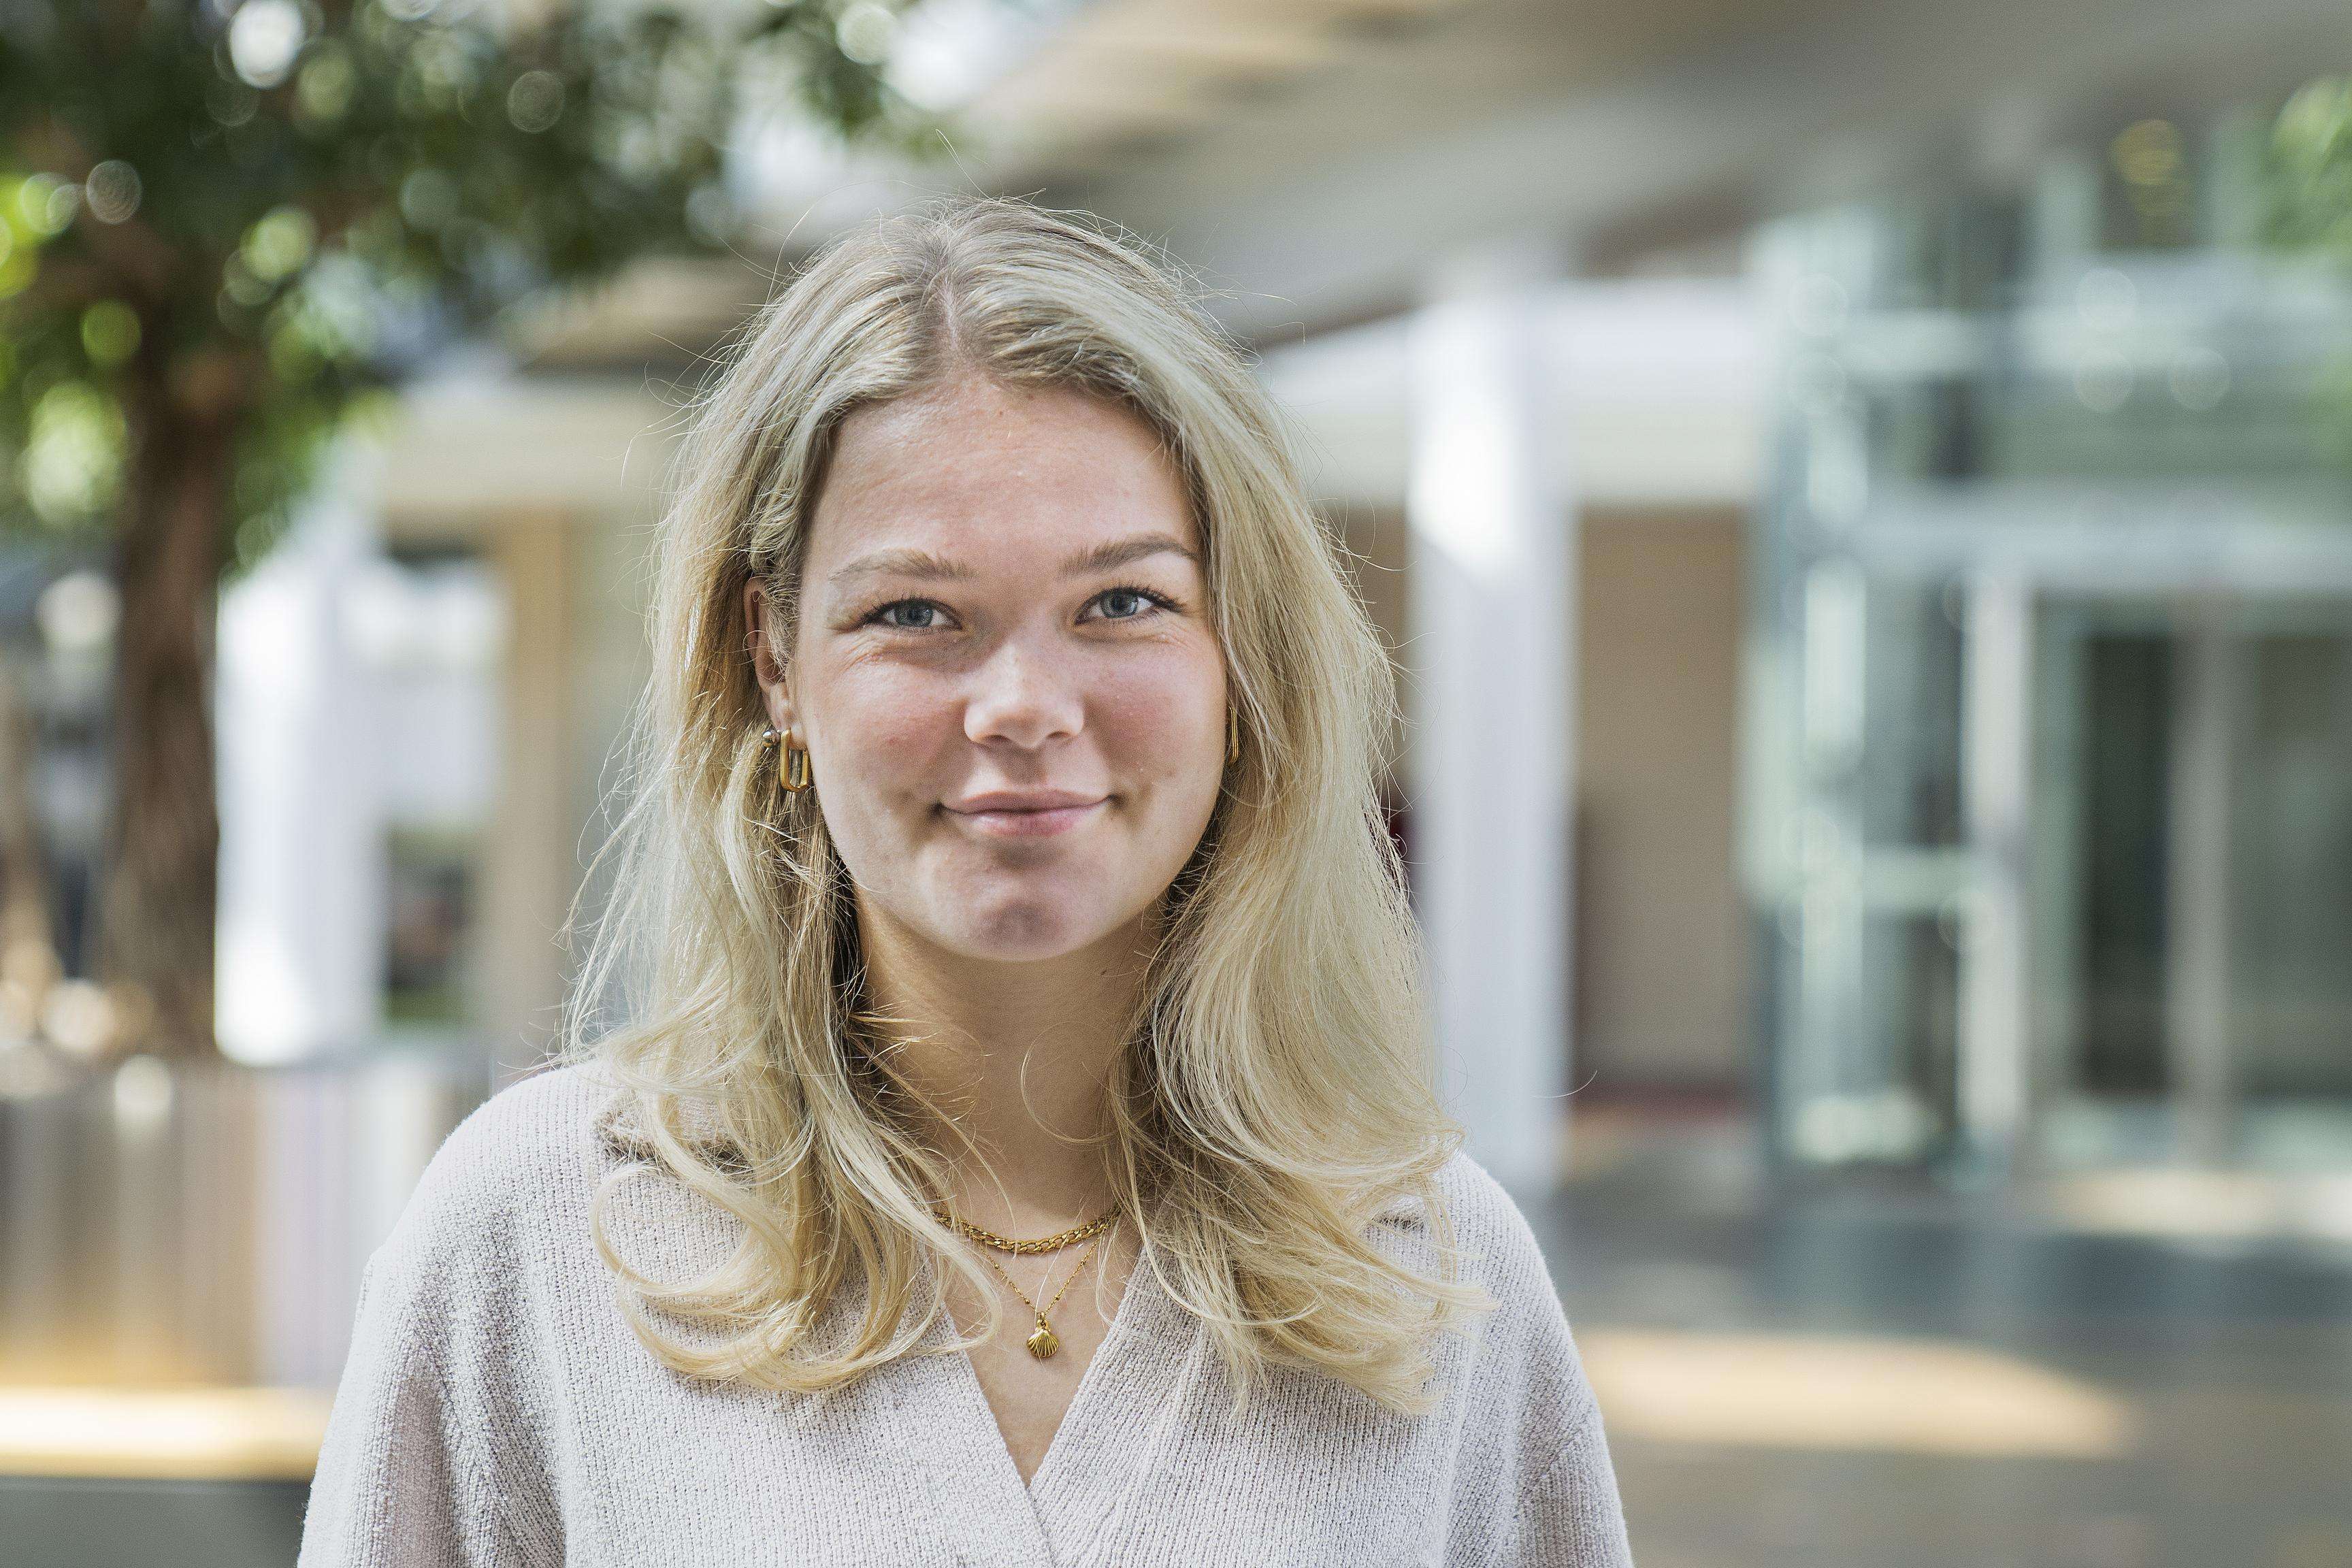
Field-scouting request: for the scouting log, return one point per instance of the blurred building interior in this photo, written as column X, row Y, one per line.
column 1931, row 482
column 1866, row 526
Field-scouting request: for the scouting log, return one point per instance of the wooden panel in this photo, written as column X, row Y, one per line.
column 529, row 870
column 1660, row 934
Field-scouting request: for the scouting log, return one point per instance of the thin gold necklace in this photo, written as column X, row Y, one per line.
column 1043, row 1341
column 1055, row 1243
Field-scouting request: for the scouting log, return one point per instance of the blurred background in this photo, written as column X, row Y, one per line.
column 1860, row 494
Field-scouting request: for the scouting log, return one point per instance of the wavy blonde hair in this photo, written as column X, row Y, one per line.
column 1275, row 1096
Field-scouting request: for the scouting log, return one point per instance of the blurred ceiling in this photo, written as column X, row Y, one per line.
column 1322, row 163
column 1326, row 162
column 1287, row 83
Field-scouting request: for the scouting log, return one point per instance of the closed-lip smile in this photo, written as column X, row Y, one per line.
column 1024, row 813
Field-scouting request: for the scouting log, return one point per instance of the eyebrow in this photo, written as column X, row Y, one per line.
column 1107, row 556
column 1113, row 553
column 900, row 563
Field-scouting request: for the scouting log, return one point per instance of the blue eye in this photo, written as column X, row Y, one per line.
column 910, row 615
column 1128, row 603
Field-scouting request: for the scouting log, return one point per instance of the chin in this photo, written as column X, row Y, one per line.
column 1025, row 927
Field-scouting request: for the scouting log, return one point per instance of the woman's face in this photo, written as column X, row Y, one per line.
column 1003, row 671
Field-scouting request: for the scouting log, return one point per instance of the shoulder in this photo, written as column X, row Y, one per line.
column 1489, row 1233
column 468, row 1316
column 1478, row 1206
column 527, row 1154
column 1532, row 1445
column 526, row 1142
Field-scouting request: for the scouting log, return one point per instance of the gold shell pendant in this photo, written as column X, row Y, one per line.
column 1043, row 1344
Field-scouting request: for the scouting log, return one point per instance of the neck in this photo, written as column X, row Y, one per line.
column 1016, row 1060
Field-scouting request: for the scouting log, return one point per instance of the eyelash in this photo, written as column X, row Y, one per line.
column 1150, row 595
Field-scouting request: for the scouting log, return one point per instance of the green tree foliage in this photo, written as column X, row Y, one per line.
column 223, row 224
column 2309, row 187
column 275, row 206
column 2308, row 203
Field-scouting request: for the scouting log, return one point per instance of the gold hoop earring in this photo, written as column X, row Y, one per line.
column 791, row 762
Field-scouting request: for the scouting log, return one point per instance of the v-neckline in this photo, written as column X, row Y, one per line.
column 1082, row 1398
column 1012, row 1520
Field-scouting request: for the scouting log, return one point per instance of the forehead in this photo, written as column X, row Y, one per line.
column 979, row 469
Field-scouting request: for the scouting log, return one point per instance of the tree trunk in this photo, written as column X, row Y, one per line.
column 157, row 922
column 28, row 952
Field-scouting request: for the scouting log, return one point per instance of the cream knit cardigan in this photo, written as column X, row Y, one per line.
column 498, row 1410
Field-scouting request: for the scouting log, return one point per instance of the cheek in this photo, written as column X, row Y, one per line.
column 1166, row 716
column 886, row 726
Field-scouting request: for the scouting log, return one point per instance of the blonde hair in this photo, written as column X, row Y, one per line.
column 1274, row 1098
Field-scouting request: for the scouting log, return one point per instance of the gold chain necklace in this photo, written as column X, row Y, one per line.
column 1043, row 1341
column 1070, row 1237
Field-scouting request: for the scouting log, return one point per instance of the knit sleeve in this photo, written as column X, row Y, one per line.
column 431, row 1452
column 1534, row 1487
column 1569, row 1515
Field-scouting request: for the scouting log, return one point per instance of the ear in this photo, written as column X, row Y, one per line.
column 770, row 664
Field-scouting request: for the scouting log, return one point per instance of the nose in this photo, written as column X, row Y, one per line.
column 1021, row 698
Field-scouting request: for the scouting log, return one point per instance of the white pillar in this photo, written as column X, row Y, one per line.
column 1997, row 783
column 2208, row 693
column 1493, row 625
column 300, row 935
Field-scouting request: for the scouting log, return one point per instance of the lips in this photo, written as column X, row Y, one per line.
column 1025, row 814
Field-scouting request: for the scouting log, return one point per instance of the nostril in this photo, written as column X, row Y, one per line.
column 1022, row 712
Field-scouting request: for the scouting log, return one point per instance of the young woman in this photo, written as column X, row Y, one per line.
column 998, row 1128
